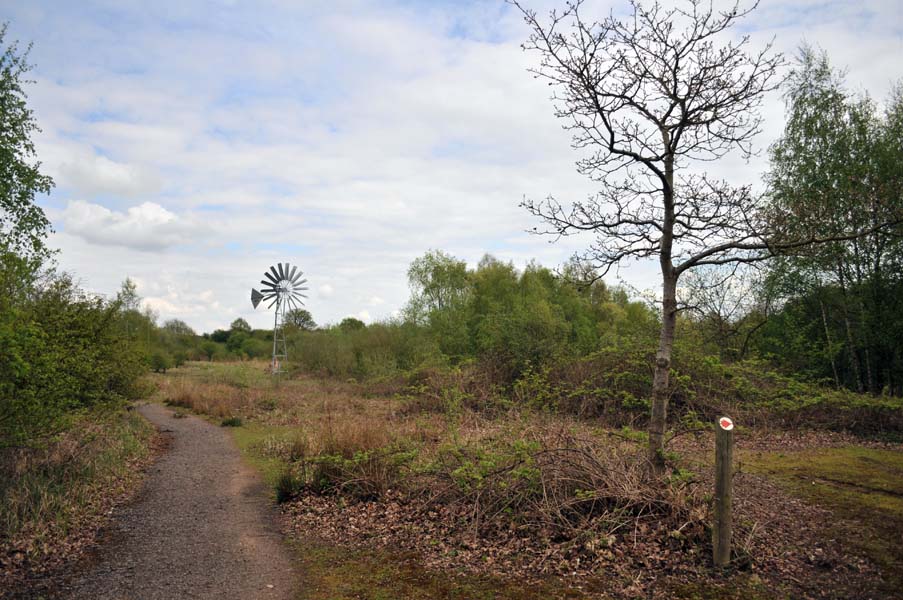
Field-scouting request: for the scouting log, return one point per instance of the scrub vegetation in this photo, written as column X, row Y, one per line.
column 519, row 494
column 534, row 432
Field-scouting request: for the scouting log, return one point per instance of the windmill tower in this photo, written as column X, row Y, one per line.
column 282, row 288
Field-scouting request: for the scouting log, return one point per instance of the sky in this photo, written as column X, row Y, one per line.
column 195, row 143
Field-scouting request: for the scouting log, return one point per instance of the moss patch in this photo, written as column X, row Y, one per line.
column 862, row 486
column 337, row 573
column 740, row 587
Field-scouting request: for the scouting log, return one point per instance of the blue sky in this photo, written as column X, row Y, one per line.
column 195, row 143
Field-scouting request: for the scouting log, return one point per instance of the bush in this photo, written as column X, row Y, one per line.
column 160, row 361
column 179, row 358
column 61, row 352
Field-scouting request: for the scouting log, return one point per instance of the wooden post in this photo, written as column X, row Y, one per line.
column 724, row 451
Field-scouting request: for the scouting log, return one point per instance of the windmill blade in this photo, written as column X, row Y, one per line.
column 275, row 300
column 281, row 271
column 299, row 281
column 275, row 274
column 256, row 297
column 298, row 276
column 268, row 287
column 270, row 277
column 291, row 276
column 268, row 297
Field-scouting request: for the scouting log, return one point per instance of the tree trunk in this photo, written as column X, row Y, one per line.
column 660, row 392
column 824, row 320
column 851, row 345
column 659, row 418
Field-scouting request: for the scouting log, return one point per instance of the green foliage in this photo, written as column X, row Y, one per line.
column 350, row 324
column 364, row 474
column 160, row 361
column 209, row 349
column 300, row 318
column 240, row 324
column 471, row 467
column 231, row 422
column 380, row 350
column 23, row 225
column 839, row 165
column 61, row 352
column 510, row 322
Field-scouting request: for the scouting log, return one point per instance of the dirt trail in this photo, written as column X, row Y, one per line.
column 201, row 527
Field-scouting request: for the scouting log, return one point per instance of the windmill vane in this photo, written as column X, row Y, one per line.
column 282, row 287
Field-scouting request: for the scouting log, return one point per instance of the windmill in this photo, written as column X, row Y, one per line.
column 282, row 288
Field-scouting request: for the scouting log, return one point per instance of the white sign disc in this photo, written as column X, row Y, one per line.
column 726, row 423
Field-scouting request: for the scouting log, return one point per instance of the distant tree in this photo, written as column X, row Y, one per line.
column 240, row 324
column 23, row 224
column 178, row 327
column 255, row 348
column 128, row 295
column 179, row 357
column 220, row 336
column 160, row 361
column 209, row 349
column 300, row 318
column 351, row 324
column 236, row 339
column 438, row 281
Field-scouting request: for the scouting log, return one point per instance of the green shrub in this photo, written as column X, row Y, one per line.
column 160, row 361
column 62, row 352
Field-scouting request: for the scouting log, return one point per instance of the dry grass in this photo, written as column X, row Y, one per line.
column 50, row 497
column 519, row 489
column 550, row 473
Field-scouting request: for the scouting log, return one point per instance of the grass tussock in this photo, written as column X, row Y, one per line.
column 49, row 493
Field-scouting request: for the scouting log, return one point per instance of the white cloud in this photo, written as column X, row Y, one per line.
column 147, row 226
column 363, row 315
column 326, row 290
column 92, row 175
column 376, row 301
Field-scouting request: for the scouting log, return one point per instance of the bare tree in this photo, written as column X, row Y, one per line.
column 645, row 97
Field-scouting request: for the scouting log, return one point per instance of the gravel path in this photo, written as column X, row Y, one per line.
column 201, row 527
